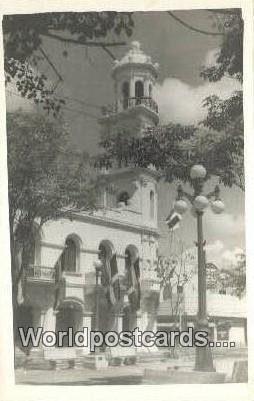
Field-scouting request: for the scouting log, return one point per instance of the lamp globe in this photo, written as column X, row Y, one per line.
column 180, row 206
column 200, row 203
column 197, row 172
column 217, row 206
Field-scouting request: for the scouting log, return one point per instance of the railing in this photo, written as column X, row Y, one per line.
column 137, row 101
column 40, row 273
column 130, row 103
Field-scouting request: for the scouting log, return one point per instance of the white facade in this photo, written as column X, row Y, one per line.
column 125, row 221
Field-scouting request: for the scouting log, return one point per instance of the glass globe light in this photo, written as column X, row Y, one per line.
column 180, row 206
column 197, row 171
column 200, row 203
column 217, row 206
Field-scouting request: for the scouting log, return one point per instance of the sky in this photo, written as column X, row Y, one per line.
column 179, row 92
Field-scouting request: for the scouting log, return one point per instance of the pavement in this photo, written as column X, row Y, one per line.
column 122, row 375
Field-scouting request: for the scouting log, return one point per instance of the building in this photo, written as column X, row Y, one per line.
column 97, row 269
column 64, row 286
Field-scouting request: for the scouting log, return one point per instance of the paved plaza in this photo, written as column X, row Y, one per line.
column 133, row 375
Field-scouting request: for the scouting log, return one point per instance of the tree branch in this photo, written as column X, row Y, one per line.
column 224, row 11
column 50, row 63
column 82, row 43
column 192, row 28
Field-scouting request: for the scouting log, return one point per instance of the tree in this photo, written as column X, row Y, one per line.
column 23, row 46
column 47, row 180
column 159, row 146
column 226, row 116
column 174, row 272
column 217, row 142
column 234, row 278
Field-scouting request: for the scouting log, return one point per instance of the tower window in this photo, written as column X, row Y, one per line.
column 139, row 89
column 126, row 94
column 151, row 205
column 150, row 90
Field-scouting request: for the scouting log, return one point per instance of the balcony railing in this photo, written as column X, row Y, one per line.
column 40, row 273
column 130, row 103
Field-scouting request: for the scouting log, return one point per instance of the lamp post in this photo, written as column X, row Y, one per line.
column 203, row 359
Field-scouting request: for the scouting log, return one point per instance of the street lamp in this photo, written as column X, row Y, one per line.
column 199, row 202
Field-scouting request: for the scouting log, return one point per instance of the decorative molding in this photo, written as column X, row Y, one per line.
column 52, row 245
column 115, row 224
column 88, row 313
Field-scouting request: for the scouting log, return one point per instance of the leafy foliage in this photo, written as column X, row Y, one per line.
column 23, row 38
column 174, row 149
column 229, row 60
column 217, row 142
column 230, row 280
column 160, row 147
column 46, row 181
column 226, row 116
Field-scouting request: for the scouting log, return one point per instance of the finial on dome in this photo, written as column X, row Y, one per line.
column 135, row 45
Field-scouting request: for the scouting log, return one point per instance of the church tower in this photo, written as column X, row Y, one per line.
column 134, row 108
column 129, row 195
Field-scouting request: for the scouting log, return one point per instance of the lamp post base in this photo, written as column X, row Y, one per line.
column 204, row 360
column 203, row 356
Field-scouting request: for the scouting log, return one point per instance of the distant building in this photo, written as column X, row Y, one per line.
column 227, row 313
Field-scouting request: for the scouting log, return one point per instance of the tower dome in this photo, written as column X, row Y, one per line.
column 135, row 56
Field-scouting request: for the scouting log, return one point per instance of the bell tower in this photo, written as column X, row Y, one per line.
column 134, row 108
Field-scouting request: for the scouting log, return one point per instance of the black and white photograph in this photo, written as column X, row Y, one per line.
column 126, row 196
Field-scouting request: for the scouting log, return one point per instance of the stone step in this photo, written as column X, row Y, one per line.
column 95, row 361
column 152, row 357
column 159, row 376
column 37, row 364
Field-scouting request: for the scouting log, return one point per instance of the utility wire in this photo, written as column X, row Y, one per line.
column 192, row 28
column 63, row 107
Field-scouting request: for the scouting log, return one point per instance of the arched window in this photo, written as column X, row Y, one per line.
column 126, row 94
column 69, row 256
column 124, row 197
column 105, row 250
column 127, row 259
column 139, row 89
column 131, row 255
column 150, row 90
column 151, row 205
column 35, row 251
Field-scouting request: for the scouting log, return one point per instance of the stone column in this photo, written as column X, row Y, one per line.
column 215, row 333
column 119, row 322
column 49, row 319
column 42, row 322
column 139, row 320
column 132, row 87
column 87, row 322
column 146, row 87
column 38, row 321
